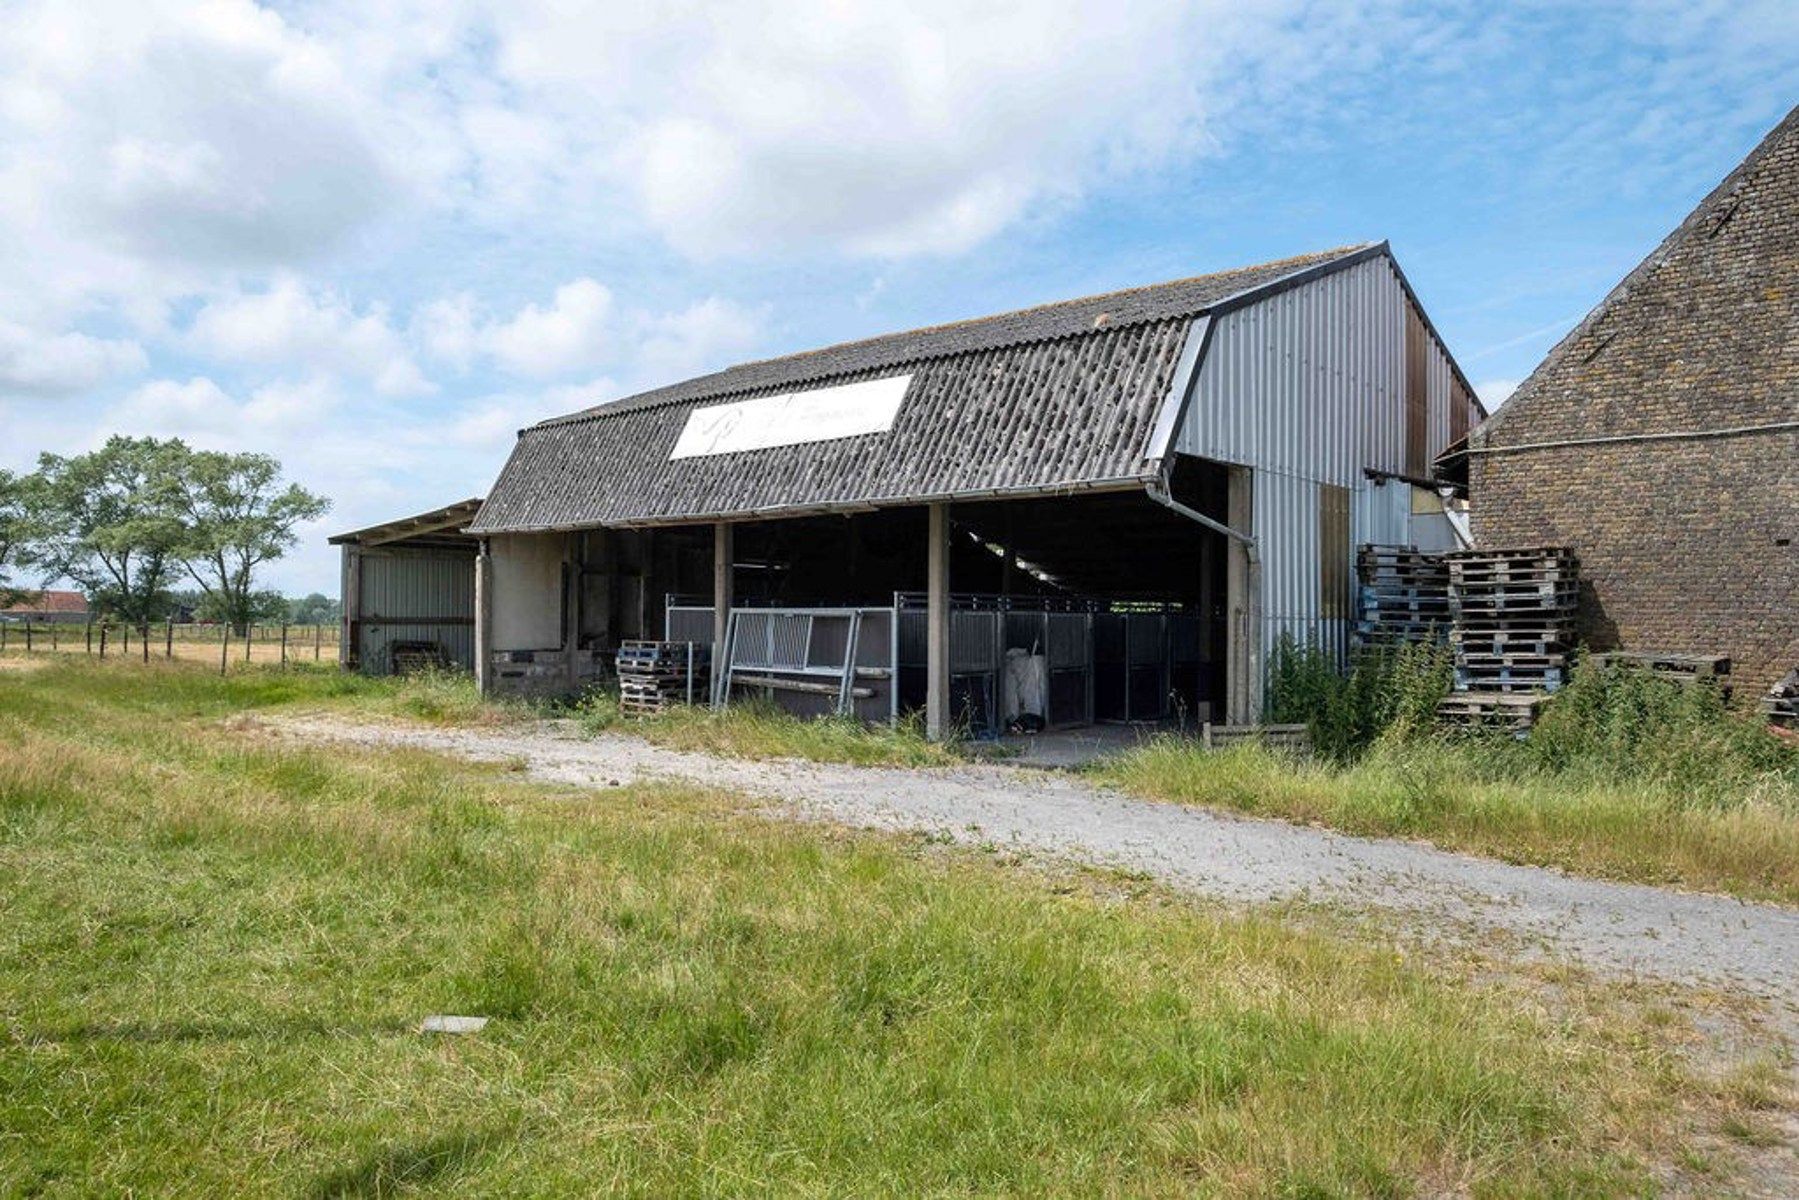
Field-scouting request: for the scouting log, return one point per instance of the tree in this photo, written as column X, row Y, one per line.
column 315, row 608
column 236, row 513
column 12, row 532
column 106, row 520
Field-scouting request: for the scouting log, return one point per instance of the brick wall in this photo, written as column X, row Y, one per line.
column 1679, row 541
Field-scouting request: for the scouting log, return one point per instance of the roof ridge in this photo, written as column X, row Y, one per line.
column 1651, row 263
column 646, row 399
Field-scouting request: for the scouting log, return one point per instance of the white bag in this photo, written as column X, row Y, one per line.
column 1027, row 678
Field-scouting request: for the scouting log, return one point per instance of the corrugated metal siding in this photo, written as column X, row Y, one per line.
column 1311, row 382
column 1309, row 387
column 1383, row 515
column 1287, row 530
column 416, row 595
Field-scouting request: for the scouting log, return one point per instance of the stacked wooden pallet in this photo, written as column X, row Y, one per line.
column 1403, row 595
column 1513, row 614
column 1514, row 618
column 1516, row 711
column 655, row 676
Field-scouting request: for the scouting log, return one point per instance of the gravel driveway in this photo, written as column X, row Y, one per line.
column 1654, row 932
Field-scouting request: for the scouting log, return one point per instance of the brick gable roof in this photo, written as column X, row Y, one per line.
column 1702, row 335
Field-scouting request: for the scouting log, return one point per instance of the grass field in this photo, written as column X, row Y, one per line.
column 190, row 643
column 215, row 949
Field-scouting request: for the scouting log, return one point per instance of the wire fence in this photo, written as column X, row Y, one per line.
column 224, row 645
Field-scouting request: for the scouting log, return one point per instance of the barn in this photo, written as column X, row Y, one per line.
column 1660, row 438
column 1140, row 491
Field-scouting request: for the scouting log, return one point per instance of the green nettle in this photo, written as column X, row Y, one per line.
column 107, row 521
column 1386, row 689
column 237, row 514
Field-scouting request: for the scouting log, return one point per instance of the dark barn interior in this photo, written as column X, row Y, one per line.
column 1123, row 596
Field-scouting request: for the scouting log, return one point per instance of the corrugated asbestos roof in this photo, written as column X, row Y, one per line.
column 1053, row 398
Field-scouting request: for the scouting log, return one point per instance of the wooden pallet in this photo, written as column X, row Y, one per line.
column 1782, row 702
column 1682, row 667
column 1513, row 710
column 1285, row 737
column 1402, row 595
column 654, row 677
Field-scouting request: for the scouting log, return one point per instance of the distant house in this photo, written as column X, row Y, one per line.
column 48, row 607
column 1660, row 439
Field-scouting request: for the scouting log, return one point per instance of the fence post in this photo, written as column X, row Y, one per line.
column 125, row 632
column 318, row 638
column 53, row 635
column 28, row 637
column 145, row 639
column 103, row 641
column 249, row 635
column 224, row 645
column 284, row 643
column 90, row 635
column 3, row 628
column 168, row 640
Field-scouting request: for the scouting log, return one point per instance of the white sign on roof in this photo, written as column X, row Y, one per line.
column 793, row 418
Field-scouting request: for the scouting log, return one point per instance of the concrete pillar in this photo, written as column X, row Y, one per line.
column 1009, row 561
column 1243, row 587
column 573, row 553
column 724, row 550
column 483, row 619
column 936, row 711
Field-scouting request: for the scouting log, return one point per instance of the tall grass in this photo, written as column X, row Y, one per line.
column 761, row 729
column 1625, row 775
column 216, row 949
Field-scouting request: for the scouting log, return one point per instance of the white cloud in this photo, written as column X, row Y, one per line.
column 704, row 336
column 201, row 410
column 876, row 129
column 447, row 330
column 151, row 145
column 290, row 325
column 1494, row 392
column 567, row 336
column 35, row 363
column 581, row 329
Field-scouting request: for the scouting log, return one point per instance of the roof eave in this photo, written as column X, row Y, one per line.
column 777, row 512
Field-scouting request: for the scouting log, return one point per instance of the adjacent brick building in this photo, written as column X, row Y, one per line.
column 1661, row 437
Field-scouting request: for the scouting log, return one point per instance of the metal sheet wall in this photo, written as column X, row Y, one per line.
column 1308, row 383
column 1309, row 387
column 416, row 596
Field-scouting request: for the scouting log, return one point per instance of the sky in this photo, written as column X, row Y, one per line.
column 377, row 238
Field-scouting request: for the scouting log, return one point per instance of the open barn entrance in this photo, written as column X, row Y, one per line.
column 1117, row 603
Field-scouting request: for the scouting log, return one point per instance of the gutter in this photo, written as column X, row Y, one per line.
column 1157, row 490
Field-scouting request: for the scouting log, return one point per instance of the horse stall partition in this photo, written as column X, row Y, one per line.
column 1145, row 664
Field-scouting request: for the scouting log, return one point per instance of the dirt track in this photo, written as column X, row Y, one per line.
column 1653, row 932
